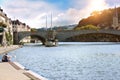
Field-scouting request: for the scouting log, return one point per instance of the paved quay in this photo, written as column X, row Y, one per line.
column 14, row 70
column 8, row 48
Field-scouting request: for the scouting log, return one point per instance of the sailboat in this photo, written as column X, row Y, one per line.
column 51, row 40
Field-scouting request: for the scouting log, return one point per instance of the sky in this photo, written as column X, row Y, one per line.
column 64, row 12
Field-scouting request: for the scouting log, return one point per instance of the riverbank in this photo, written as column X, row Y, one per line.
column 9, row 48
column 15, row 71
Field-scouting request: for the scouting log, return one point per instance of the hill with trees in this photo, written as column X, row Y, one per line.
column 103, row 19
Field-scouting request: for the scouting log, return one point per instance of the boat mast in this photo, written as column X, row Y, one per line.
column 46, row 22
column 51, row 21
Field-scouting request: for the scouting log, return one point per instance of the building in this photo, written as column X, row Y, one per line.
column 6, row 33
column 116, row 21
column 18, row 26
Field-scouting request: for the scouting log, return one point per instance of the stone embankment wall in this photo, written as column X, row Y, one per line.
column 8, row 48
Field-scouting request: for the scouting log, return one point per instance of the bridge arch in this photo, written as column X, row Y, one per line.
column 22, row 35
column 95, row 37
column 35, row 36
column 65, row 35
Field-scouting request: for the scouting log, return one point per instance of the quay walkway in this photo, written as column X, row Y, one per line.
column 14, row 70
column 8, row 48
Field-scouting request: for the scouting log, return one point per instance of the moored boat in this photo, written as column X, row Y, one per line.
column 51, row 43
column 51, row 40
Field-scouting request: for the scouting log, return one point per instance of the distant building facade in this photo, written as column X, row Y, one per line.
column 6, row 33
column 116, row 21
column 18, row 26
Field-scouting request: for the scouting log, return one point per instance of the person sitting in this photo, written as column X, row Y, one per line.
column 5, row 58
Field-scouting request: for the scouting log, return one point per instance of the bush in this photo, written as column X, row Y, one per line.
column 88, row 27
column 9, row 38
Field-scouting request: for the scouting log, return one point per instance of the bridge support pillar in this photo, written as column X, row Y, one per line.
column 16, row 40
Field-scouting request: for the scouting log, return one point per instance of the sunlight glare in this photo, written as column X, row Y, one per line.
column 97, row 5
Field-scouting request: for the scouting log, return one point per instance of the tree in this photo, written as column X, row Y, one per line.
column 33, row 29
column 88, row 27
column 103, row 18
column 9, row 38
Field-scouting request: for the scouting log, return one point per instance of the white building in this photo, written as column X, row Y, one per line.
column 116, row 21
column 21, row 27
column 6, row 33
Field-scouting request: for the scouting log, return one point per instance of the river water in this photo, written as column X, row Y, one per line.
column 72, row 60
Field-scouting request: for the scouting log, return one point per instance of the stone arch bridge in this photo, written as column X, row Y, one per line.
column 61, row 35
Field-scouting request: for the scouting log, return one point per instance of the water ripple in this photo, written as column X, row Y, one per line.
column 72, row 61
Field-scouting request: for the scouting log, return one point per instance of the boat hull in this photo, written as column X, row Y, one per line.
column 50, row 44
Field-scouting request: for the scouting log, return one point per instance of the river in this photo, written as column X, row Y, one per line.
column 72, row 60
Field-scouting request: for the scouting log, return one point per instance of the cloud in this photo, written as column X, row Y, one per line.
column 31, row 12
column 34, row 12
column 73, row 15
column 112, row 3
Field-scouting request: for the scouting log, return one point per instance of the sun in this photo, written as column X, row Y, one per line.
column 97, row 5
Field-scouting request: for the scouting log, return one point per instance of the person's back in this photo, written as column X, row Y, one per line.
column 5, row 58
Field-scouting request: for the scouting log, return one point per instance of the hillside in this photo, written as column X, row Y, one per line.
column 100, row 18
column 66, row 27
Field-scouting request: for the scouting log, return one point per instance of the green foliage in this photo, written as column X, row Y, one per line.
column 88, row 27
column 102, row 18
column 9, row 38
column 33, row 29
column 3, row 25
column 1, row 29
